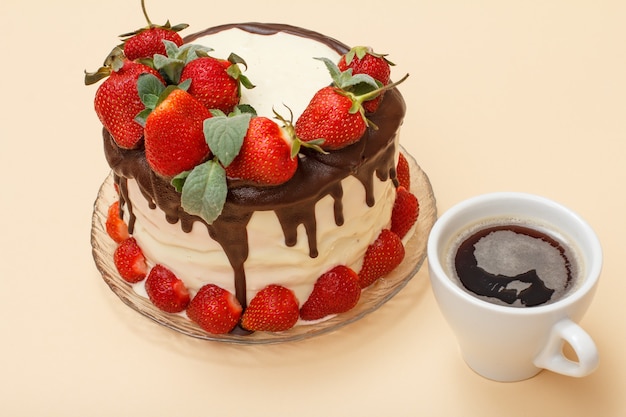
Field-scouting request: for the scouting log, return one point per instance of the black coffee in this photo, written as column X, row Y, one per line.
column 514, row 265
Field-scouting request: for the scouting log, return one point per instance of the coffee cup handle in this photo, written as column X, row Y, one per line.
column 553, row 359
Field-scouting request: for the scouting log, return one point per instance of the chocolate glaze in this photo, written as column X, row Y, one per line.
column 317, row 176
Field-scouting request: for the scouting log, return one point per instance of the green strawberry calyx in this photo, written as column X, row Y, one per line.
column 112, row 63
column 361, row 51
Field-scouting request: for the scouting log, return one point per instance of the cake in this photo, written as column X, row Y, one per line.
column 247, row 253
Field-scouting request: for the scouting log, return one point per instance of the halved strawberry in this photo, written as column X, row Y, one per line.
column 381, row 257
column 403, row 172
column 214, row 309
column 335, row 291
column 166, row 290
column 130, row 261
column 405, row 212
column 273, row 309
column 116, row 228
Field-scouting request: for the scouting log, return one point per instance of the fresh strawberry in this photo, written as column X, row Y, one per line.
column 174, row 136
column 214, row 309
column 130, row 261
column 335, row 114
column 273, row 309
column 405, row 212
column 265, row 156
column 330, row 116
column 148, row 41
column 336, row 291
column 117, row 101
column 166, row 290
column 403, row 173
column 363, row 60
column 211, row 84
column 115, row 226
column 381, row 257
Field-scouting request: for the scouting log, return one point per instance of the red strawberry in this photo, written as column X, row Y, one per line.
column 265, row 156
column 273, row 309
column 211, row 84
column 405, row 212
column 330, row 116
column 381, row 257
column 130, row 261
column 214, row 309
column 174, row 136
column 117, row 101
column 363, row 60
column 166, row 290
column 403, row 172
column 115, row 226
column 336, row 291
column 148, row 41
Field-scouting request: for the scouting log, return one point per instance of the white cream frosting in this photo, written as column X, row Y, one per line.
column 285, row 72
column 282, row 67
column 197, row 259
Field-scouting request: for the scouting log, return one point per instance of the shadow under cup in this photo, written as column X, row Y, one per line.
column 506, row 343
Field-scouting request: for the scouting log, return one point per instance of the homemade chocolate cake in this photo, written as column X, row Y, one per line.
column 277, row 254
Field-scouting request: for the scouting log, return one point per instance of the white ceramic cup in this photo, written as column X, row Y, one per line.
column 506, row 343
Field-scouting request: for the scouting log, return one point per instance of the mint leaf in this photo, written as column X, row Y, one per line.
column 346, row 79
column 244, row 108
column 149, row 88
column 204, row 192
column 179, row 180
column 171, row 49
column 224, row 135
column 333, row 69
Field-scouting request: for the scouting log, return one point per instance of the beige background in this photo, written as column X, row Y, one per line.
column 516, row 95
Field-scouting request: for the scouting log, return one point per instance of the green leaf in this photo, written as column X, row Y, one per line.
column 217, row 113
column 185, row 84
column 149, row 88
column 179, row 180
column 333, row 69
column 171, row 49
column 179, row 27
column 244, row 108
column 224, row 135
column 204, row 192
column 170, row 68
column 193, row 51
column 354, row 80
column 346, row 80
column 142, row 116
column 233, row 58
column 235, row 72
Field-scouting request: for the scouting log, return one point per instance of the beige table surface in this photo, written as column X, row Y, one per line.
column 516, row 95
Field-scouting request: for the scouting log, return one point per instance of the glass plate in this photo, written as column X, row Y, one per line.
column 371, row 299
